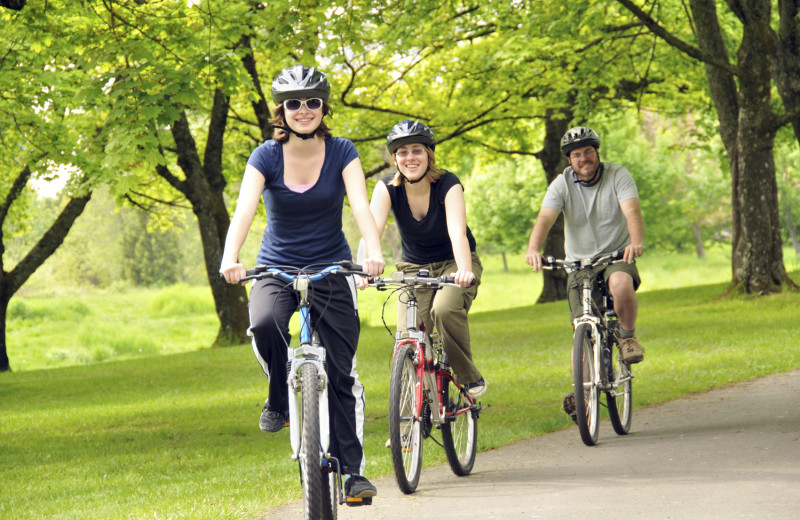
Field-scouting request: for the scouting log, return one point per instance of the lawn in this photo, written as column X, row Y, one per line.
column 164, row 433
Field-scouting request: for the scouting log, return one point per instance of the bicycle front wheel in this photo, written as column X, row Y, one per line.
column 330, row 498
column 620, row 403
column 460, row 430
column 405, row 432
column 584, row 376
column 311, row 474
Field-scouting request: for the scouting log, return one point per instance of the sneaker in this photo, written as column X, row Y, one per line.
column 357, row 486
column 630, row 350
column 272, row 421
column 476, row 389
column 569, row 407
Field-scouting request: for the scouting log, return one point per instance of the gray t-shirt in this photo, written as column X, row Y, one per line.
column 593, row 220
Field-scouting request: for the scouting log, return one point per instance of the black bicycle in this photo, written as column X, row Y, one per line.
column 597, row 364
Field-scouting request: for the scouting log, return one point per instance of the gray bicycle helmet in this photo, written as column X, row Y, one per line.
column 578, row 137
column 408, row 131
column 300, row 82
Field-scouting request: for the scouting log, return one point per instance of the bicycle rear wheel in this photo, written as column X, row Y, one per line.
column 311, row 473
column 620, row 406
column 460, row 431
column 405, row 433
column 587, row 401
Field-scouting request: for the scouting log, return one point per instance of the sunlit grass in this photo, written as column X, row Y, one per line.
column 176, row 436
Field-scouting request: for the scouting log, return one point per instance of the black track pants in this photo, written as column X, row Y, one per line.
column 334, row 314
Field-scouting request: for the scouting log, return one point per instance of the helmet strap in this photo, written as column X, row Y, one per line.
column 298, row 134
column 598, row 174
column 406, row 179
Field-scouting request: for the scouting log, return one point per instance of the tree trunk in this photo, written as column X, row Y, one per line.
column 556, row 125
column 203, row 187
column 757, row 255
column 787, row 209
column 505, row 262
column 10, row 282
column 747, row 128
column 698, row 239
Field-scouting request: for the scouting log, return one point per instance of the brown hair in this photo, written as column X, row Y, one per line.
column 279, row 121
column 433, row 172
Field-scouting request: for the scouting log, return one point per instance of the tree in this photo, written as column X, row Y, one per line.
column 41, row 128
column 13, row 279
column 742, row 95
column 500, row 199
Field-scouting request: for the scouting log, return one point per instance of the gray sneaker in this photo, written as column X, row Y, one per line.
column 477, row 389
column 273, row 421
column 630, row 350
column 357, row 486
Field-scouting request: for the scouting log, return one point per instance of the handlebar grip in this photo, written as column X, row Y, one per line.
column 447, row 279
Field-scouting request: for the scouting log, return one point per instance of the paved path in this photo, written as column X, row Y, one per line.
column 731, row 453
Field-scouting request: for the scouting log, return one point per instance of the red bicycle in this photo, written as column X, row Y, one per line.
column 422, row 393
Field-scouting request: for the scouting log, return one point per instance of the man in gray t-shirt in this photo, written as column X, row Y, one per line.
column 602, row 214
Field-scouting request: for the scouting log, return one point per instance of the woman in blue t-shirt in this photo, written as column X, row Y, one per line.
column 428, row 206
column 303, row 175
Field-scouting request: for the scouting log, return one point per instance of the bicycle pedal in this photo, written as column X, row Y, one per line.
column 355, row 501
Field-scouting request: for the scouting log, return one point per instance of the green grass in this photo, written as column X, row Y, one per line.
column 175, row 435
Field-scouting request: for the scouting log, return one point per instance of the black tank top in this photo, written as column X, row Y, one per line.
column 425, row 241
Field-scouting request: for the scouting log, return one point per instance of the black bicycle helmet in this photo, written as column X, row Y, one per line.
column 408, row 131
column 578, row 137
column 300, row 82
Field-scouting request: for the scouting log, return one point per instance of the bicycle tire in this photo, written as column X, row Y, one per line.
column 405, row 432
column 310, row 459
column 330, row 499
column 620, row 406
column 587, row 400
column 459, row 434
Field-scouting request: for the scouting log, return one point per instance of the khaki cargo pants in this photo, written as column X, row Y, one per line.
column 446, row 310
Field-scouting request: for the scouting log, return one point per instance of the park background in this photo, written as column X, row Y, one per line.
column 125, row 130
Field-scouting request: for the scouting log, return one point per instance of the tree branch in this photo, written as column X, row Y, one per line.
column 676, row 42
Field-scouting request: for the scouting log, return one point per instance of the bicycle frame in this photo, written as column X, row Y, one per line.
column 596, row 320
column 309, row 352
column 427, row 365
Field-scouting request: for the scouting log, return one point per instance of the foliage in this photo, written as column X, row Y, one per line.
column 500, row 202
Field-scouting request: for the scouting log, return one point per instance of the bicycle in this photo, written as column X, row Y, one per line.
column 597, row 364
column 423, row 393
column 309, row 427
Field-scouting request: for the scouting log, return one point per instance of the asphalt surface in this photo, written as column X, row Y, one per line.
column 730, row 453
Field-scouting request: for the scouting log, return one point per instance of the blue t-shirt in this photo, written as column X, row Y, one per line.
column 425, row 241
column 304, row 228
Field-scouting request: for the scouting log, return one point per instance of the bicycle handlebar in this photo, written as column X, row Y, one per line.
column 400, row 279
column 586, row 263
column 289, row 273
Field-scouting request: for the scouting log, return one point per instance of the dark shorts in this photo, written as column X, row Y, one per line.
column 575, row 284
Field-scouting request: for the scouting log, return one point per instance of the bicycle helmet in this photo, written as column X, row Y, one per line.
column 300, row 81
column 408, row 131
column 578, row 137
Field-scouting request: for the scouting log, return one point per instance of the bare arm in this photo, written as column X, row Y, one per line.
column 456, row 212
column 547, row 217
column 633, row 214
column 249, row 197
column 353, row 176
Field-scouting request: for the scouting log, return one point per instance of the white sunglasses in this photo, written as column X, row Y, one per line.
column 293, row 105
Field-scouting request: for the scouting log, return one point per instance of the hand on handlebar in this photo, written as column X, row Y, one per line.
column 463, row 278
column 631, row 252
column 373, row 266
column 232, row 272
column 534, row 259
